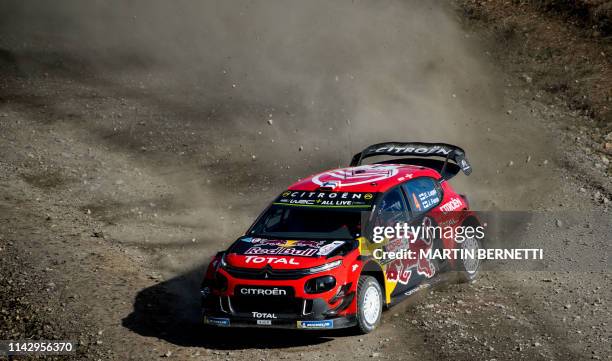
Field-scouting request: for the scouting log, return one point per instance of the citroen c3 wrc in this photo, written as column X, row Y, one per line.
column 308, row 261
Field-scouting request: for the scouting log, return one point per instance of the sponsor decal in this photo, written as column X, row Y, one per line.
column 357, row 175
column 451, row 205
column 354, row 267
column 263, row 315
column 263, row 291
column 416, row 289
column 325, row 199
column 264, row 322
column 464, row 165
column 429, row 198
column 399, row 243
column 450, row 222
column 288, row 244
column 278, row 247
column 217, row 321
column 329, row 248
column 401, row 270
column 284, row 243
column 282, row 251
column 424, row 149
column 398, row 149
column 316, row 324
column 270, row 260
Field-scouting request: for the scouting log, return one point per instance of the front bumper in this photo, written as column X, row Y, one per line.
column 239, row 298
column 305, row 324
column 291, row 313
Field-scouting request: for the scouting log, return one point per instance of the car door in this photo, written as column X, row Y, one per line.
column 391, row 210
column 422, row 195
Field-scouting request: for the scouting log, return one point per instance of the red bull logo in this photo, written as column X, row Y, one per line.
column 401, row 270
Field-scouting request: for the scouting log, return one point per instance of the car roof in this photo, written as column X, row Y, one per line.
column 363, row 178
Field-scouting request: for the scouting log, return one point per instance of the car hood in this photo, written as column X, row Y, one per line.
column 254, row 252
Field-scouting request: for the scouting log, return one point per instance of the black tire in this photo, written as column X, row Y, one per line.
column 466, row 272
column 440, row 265
column 368, row 324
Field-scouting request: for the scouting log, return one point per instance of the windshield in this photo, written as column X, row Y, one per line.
column 308, row 223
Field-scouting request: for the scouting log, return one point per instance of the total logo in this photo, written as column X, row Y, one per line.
column 263, row 315
column 270, row 260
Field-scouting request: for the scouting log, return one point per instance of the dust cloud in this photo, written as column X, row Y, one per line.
column 300, row 86
column 342, row 74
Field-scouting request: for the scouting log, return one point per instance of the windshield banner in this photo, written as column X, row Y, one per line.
column 327, row 199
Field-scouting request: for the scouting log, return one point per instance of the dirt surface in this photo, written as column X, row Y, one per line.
column 561, row 48
column 137, row 140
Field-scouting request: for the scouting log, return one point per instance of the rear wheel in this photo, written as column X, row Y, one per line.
column 469, row 267
column 369, row 304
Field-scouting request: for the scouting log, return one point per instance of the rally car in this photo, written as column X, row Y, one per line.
column 309, row 260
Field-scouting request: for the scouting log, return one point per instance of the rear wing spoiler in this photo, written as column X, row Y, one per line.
column 399, row 149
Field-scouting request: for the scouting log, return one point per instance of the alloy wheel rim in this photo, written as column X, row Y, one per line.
column 371, row 305
column 471, row 264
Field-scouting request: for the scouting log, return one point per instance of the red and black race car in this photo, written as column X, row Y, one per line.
column 311, row 259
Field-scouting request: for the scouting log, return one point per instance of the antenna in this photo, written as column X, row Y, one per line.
column 348, row 135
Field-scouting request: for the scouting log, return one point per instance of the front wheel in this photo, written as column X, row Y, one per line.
column 369, row 304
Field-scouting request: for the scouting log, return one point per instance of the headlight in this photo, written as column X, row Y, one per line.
column 326, row 267
column 320, row 284
column 222, row 262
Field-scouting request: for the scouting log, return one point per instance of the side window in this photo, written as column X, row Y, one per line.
column 391, row 209
column 423, row 194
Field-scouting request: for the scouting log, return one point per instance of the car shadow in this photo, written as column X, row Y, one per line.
column 170, row 310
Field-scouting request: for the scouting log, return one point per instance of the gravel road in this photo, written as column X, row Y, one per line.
column 130, row 153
